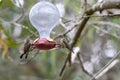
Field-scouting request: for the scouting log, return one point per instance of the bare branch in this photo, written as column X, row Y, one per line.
column 25, row 27
column 84, row 20
column 17, row 24
column 81, row 64
column 89, row 12
column 103, row 70
column 105, row 23
column 106, row 32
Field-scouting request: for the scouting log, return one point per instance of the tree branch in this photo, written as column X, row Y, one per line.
column 97, row 7
column 107, row 66
column 89, row 12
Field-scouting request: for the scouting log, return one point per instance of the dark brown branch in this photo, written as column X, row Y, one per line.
column 96, row 7
column 89, row 12
column 84, row 20
column 64, row 66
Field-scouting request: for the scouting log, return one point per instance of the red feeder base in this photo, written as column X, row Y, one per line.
column 44, row 44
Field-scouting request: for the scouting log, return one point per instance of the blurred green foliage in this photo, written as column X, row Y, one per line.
column 47, row 64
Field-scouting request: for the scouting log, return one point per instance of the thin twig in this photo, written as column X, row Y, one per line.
column 68, row 58
column 105, row 23
column 64, row 66
column 20, row 17
column 101, row 70
column 76, row 25
column 92, row 16
column 81, row 64
column 25, row 27
column 85, row 4
column 17, row 24
column 106, row 32
column 65, row 33
column 107, row 15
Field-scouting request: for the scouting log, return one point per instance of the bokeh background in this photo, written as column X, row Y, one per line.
column 98, row 45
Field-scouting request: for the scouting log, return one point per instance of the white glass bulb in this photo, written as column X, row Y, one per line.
column 44, row 16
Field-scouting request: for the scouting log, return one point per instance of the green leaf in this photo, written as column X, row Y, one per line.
column 11, row 43
column 1, row 2
column 9, row 3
